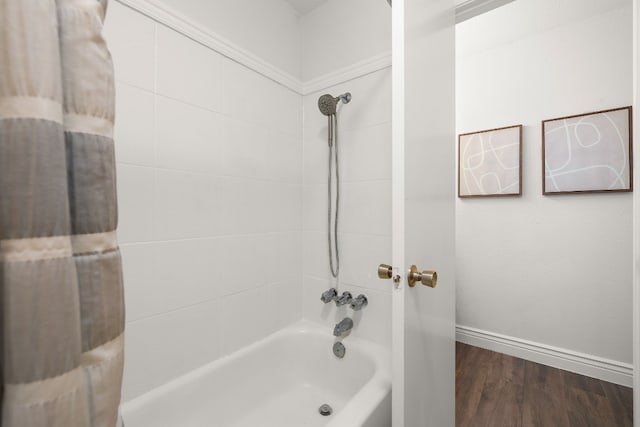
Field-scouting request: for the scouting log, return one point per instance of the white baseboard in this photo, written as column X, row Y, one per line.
column 581, row 363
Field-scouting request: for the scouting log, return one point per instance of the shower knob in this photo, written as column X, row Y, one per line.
column 329, row 295
column 426, row 277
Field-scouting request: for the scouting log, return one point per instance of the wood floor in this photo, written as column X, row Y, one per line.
column 496, row 390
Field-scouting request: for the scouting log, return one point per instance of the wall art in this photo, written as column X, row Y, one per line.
column 587, row 153
column 490, row 162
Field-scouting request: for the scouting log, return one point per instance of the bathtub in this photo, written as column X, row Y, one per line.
column 280, row 381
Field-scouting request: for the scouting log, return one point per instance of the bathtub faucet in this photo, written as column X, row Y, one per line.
column 343, row 327
column 328, row 296
column 359, row 302
column 343, row 299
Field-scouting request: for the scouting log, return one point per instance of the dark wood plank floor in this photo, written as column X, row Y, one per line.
column 496, row 390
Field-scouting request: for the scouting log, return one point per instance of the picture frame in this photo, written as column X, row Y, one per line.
column 490, row 162
column 588, row 153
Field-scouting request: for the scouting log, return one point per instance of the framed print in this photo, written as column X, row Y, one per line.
column 587, row 153
column 490, row 162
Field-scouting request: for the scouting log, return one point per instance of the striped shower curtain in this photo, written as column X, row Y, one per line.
column 61, row 294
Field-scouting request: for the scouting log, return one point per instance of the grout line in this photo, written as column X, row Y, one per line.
column 173, row 310
column 351, row 234
column 386, row 291
column 121, row 82
column 206, row 238
column 218, row 298
column 289, row 183
column 154, row 181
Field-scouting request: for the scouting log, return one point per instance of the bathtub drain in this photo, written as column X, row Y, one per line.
column 325, row 410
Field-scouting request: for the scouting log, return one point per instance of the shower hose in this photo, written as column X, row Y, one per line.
column 333, row 152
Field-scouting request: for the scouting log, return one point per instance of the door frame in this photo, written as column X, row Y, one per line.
column 397, row 200
column 636, row 216
column 423, row 320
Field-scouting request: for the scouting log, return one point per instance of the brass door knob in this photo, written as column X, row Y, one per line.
column 385, row 271
column 426, row 277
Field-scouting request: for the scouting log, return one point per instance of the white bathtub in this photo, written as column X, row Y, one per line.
column 280, row 381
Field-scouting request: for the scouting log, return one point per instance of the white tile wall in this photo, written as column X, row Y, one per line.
column 134, row 138
column 366, row 207
column 218, row 177
column 137, row 266
column 135, row 203
column 210, row 203
column 159, row 348
column 188, row 71
column 286, row 297
column 360, row 256
column 245, row 317
column 186, row 205
column 132, row 49
column 364, row 144
column 189, row 138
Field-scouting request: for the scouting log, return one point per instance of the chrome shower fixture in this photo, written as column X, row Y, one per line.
column 328, row 103
column 343, row 327
column 359, row 302
column 344, row 299
column 328, row 106
column 345, row 97
column 328, row 296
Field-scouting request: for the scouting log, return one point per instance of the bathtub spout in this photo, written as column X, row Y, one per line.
column 343, row 327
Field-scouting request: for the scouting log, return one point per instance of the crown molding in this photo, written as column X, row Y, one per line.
column 183, row 25
column 470, row 8
column 167, row 16
column 359, row 69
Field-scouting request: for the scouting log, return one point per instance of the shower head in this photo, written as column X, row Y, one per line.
column 389, row 1
column 327, row 103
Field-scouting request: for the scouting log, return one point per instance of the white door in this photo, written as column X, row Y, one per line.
column 423, row 212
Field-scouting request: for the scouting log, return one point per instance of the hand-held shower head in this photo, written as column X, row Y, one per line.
column 328, row 103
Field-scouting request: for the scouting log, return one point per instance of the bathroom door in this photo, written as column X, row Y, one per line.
column 424, row 165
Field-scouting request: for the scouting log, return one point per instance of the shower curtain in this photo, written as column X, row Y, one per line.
column 61, row 294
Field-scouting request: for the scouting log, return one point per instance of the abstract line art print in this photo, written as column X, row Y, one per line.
column 490, row 162
column 587, row 152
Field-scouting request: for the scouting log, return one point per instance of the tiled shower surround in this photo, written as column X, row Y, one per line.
column 222, row 200
column 210, row 199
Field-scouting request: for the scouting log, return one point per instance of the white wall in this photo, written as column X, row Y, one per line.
column 268, row 29
column 209, row 182
column 555, row 270
column 338, row 35
column 341, row 33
